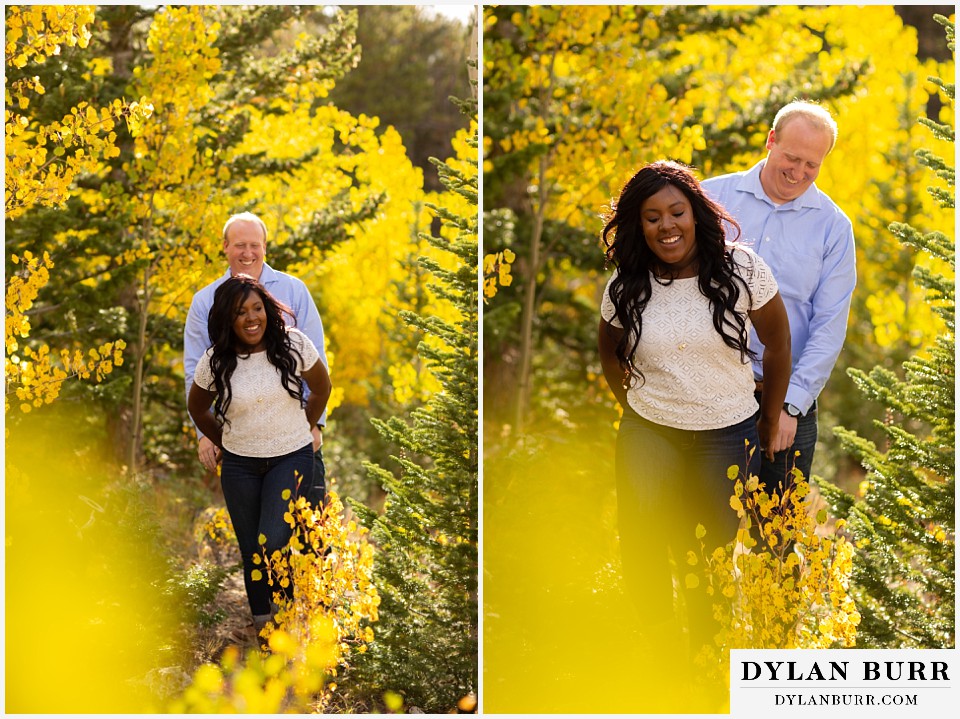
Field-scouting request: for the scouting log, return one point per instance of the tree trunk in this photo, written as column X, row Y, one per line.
column 473, row 65
column 136, row 430
column 529, row 305
column 119, row 44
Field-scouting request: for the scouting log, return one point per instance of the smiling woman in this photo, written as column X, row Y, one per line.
column 673, row 342
column 250, row 324
column 247, row 397
column 670, row 231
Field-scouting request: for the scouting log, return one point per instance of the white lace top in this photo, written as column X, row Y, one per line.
column 692, row 380
column 265, row 421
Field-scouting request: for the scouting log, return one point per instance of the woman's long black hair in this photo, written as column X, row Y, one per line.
column 628, row 251
column 280, row 352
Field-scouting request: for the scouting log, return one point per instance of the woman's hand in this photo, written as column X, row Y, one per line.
column 607, row 338
column 199, row 404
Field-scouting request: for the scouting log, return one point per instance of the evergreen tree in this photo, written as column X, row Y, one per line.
column 904, row 523
column 426, row 572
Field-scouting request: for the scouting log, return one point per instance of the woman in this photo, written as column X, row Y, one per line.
column 248, row 398
column 683, row 377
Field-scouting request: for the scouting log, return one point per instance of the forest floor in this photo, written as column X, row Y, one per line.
column 235, row 629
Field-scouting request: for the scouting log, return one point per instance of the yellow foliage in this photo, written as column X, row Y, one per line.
column 34, row 373
column 496, row 272
column 793, row 594
column 43, row 161
column 177, row 207
column 36, row 32
column 873, row 175
column 330, row 564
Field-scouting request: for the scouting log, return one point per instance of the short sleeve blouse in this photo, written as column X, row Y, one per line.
column 691, row 378
column 264, row 420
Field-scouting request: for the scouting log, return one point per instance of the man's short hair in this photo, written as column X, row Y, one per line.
column 245, row 217
column 815, row 114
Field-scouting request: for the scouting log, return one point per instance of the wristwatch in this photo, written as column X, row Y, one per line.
column 791, row 409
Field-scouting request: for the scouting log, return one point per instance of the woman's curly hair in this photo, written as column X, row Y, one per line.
column 630, row 289
column 227, row 301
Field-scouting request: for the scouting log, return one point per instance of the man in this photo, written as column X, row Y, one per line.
column 244, row 245
column 808, row 243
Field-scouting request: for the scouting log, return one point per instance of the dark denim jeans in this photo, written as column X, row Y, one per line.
column 669, row 481
column 253, row 488
column 316, row 491
column 772, row 474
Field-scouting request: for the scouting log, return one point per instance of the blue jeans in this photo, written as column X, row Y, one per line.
column 669, row 481
column 772, row 474
column 316, row 491
column 253, row 488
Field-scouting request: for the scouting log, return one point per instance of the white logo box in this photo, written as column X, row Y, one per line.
column 844, row 683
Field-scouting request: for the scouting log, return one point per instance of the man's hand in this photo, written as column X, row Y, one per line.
column 317, row 437
column 777, row 438
column 787, row 432
column 209, row 454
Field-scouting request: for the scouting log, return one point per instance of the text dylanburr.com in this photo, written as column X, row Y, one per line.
column 844, row 682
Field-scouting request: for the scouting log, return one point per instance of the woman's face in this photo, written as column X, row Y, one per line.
column 670, row 230
column 250, row 323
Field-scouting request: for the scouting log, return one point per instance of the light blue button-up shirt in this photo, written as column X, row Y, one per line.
column 288, row 289
column 808, row 243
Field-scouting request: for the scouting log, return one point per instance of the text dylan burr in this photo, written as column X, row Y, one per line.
column 840, row 671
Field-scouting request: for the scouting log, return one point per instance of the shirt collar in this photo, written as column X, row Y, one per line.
column 750, row 182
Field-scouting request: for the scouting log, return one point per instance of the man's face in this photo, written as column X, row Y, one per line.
column 244, row 248
column 794, row 159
